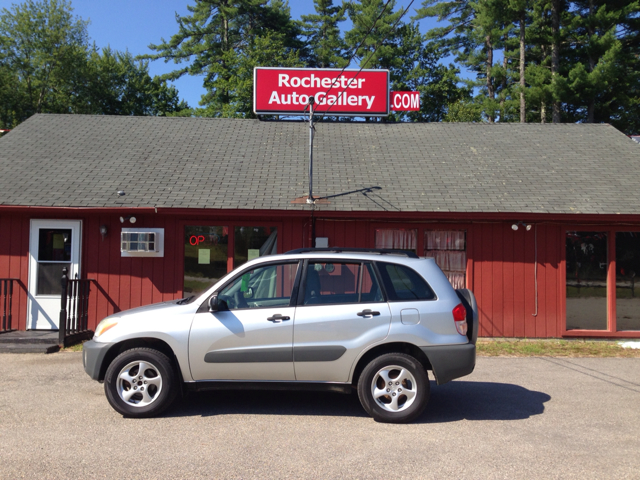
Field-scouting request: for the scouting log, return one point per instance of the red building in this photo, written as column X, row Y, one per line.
column 542, row 222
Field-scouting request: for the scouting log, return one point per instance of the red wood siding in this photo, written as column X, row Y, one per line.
column 500, row 271
column 346, row 233
column 14, row 262
column 504, row 279
column 501, row 262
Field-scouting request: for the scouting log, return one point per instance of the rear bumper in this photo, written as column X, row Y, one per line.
column 93, row 354
column 449, row 362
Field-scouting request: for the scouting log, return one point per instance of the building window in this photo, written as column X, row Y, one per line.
column 448, row 247
column 586, row 283
column 205, row 257
column 396, row 239
column 627, row 270
column 253, row 242
column 142, row 242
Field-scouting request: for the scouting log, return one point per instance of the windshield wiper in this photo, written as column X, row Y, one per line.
column 185, row 300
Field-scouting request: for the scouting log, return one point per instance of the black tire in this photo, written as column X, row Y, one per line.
column 159, row 380
column 383, row 409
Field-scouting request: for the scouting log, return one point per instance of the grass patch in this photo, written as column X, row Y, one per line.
column 553, row 348
column 73, row 348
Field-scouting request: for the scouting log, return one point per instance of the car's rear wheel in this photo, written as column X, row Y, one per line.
column 394, row 388
column 140, row 382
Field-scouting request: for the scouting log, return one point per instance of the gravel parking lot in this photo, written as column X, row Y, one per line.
column 512, row 418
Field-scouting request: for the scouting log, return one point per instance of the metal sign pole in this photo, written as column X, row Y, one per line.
column 311, row 199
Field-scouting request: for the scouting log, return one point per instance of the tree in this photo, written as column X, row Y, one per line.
column 580, row 57
column 41, row 45
column 117, row 84
column 263, row 50
column 322, row 33
column 216, row 35
column 439, row 85
column 48, row 66
column 376, row 35
column 475, row 30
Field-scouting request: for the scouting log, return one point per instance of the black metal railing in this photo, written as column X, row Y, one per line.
column 6, row 303
column 74, row 310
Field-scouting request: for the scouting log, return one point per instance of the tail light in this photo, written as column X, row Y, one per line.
column 460, row 318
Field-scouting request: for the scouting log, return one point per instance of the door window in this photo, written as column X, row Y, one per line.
column 54, row 254
column 586, row 285
column 263, row 287
column 253, row 242
column 627, row 270
column 205, row 257
column 333, row 283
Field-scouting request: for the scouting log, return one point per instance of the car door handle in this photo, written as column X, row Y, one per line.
column 367, row 312
column 276, row 318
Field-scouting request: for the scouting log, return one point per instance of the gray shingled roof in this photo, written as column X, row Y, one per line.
column 81, row 161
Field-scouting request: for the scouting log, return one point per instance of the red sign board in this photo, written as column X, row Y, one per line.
column 286, row 91
column 405, row 101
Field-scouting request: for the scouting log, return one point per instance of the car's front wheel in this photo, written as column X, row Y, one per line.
column 394, row 388
column 140, row 382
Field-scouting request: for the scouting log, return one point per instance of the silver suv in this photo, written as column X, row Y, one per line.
column 375, row 321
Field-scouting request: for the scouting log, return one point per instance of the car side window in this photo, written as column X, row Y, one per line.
column 262, row 287
column 334, row 283
column 404, row 283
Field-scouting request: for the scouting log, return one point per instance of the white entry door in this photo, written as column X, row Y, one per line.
column 53, row 245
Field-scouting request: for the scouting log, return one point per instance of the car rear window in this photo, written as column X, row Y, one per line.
column 403, row 283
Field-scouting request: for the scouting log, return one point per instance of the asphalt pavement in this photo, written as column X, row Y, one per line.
column 512, row 418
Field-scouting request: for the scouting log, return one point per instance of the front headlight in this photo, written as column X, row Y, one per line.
column 105, row 325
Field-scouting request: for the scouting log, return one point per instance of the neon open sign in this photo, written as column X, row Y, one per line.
column 196, row 239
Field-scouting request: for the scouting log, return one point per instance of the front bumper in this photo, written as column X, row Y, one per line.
column 93, row 354
column 449, row 362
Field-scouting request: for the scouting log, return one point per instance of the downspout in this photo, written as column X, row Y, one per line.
column 535, row 264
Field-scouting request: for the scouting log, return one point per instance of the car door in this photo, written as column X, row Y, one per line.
column 251, row 336
column 341, row 311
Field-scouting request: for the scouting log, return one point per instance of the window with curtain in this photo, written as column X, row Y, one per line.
column 396, row 239
column 449, row 249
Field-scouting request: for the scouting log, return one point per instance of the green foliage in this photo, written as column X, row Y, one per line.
column 48, row 66
column 381, row 46
column 41, row 43
column 597, row 43
column 117, row 84
column 322, row 34
column 267, row 50
column 220, row 40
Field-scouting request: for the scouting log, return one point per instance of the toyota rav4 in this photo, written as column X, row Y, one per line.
column 373, row 321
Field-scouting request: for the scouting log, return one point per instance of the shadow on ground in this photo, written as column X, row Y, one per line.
column 452, row 402
column 461, row 400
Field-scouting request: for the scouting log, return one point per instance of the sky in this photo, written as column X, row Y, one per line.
column 134, row 24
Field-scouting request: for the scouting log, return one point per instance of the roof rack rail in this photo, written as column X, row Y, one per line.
column 380, row 251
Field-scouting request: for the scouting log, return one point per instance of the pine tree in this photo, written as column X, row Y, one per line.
column 216, row 34
column 376, row 34
column 322, row 34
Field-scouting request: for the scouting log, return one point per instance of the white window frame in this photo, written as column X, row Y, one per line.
column 159, row 242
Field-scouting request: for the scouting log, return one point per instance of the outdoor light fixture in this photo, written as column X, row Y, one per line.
column 130, row 218
column 103, row 231
column 527, row 226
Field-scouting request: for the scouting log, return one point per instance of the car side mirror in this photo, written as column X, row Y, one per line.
column 213, row 303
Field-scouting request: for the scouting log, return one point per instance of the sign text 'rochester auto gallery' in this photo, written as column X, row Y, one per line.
column 286, row 91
